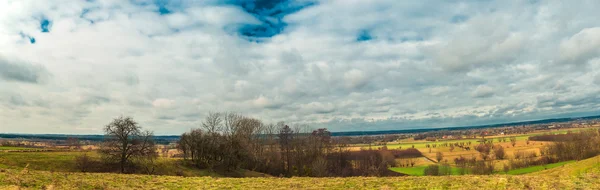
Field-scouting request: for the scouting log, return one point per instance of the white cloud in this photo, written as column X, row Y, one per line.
column 581, row 47
column 163, row 103
column 419, row 64
column 483, row 92
column 355, row 78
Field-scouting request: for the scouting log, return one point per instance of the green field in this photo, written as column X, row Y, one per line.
column 537, row 168
column 47, row 161
column 420, row 170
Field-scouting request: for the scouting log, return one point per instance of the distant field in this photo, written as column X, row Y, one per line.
column 579, row 175
column 15, row 148
column 422, row 143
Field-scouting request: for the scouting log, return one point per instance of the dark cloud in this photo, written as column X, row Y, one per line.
column 21, row 72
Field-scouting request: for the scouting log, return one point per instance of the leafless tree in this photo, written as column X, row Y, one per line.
column 83, row 162
column 439, row 156
column 123, row 140
column 73, row 142
column 499, row 152
column 513, row 141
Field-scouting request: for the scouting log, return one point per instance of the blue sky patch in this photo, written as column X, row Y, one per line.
column 270, row 13
column 45, row 25
column 364, row 35
column 31, row 39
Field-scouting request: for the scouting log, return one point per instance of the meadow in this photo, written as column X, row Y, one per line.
column 10, row 148
column 577, row 175
column 420, row 170
column 537, row 168
column 65, row 162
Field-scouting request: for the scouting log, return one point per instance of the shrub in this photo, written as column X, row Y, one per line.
column 83, row 163
column 432, row 170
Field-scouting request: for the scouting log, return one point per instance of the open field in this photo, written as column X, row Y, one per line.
column 537, row 168
column 65, row 162
column 16, row 148
column 420, row 170
column 578, row 175
column 47, row 161
column 422, row 143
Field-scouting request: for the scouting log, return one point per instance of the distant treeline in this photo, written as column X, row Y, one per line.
column 93, row 138
column 535, row 122
column 555, row 137
column 173, row 138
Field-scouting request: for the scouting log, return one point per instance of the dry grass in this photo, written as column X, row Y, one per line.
column 580, row 175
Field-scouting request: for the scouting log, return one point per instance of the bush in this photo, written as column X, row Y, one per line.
column 499, row 152
column 438, row 170
column 432, row 170
column 83, row 163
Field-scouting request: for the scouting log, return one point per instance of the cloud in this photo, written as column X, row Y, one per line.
column 581, row 47
column 479, row 42
column 339, row 64
column 483, row 92
column 355, row 78
column 319, row 108
column 163, row 103
column 21, row 72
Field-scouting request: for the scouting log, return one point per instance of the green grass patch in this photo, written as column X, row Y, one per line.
column 47, row 161
column 537, row 168
column 420, row 170
column 413, row 171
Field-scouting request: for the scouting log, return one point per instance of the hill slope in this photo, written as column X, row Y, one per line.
column 579, row 175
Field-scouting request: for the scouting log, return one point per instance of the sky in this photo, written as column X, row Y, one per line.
column 71, row 66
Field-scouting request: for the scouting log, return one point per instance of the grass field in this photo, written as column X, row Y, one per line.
column 537, row 168
column 420, row 170
column 579, row 175
column 47, row 161
column 15, row 148
column 65, row 162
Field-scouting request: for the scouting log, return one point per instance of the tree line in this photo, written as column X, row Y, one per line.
column 229, row 141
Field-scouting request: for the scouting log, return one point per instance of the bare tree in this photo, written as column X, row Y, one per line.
column 285, row 142
column 513, row 141
column 73, row 142
column 499, row 152
column 124, row 140
column 83, row 163
column 439, row 156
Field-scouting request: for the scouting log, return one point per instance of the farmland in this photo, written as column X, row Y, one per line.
column 422, row 144
column 10, row 148
column 58, row 167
